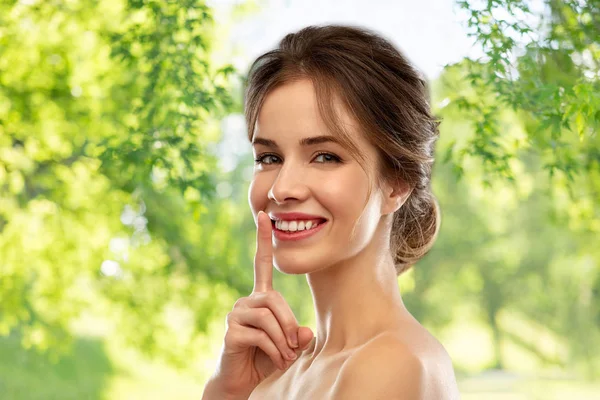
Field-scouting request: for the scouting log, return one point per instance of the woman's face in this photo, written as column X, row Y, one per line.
column 292, row 177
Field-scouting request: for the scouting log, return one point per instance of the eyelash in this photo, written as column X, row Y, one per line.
column 259, row 159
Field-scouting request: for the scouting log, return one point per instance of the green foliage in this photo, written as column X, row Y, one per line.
column 519, row 229
column 171, row 92
column 108, row 112
column 548, row 73
column 105, row 112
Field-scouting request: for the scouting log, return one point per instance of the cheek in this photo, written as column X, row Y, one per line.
column 257, row 195
column 354, row 221
column 344, row 195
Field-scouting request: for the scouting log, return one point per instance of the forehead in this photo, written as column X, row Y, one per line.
column 290, row 112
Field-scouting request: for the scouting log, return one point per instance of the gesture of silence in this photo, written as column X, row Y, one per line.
column 262, row 332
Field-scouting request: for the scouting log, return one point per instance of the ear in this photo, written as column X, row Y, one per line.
column 394, row 196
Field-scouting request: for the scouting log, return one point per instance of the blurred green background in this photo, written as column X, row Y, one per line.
column 126, row 236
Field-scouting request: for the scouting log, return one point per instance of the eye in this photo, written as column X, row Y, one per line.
column 261, row 158
column 327, row 157
column 332, row 158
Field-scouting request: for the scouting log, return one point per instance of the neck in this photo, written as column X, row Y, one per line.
column 355, row 299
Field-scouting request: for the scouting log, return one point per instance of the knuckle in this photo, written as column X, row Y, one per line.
column 229, row 319
column 273, row 297
column 265, row 261
column 239, row 302
column 231, row 338
column 262, row 336
column 264, row 312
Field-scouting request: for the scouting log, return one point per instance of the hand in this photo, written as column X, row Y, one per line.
column 262, row 331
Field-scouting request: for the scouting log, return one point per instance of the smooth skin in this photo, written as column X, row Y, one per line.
column 367, row 346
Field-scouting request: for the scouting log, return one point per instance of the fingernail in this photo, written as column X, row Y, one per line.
column 294, row 340
column 292, row 355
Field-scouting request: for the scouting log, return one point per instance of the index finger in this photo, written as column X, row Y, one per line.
column 263, row 260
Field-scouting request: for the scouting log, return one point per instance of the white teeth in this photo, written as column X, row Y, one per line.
column 294, row 226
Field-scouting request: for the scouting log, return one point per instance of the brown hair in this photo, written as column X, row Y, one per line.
column 386, row 95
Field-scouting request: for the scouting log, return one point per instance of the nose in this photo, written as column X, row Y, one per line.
column 289, row 185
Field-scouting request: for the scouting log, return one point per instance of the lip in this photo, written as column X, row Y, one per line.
column 284, row 236
column 294, row 216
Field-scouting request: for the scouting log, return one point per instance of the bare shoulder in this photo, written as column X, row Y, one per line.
column 390, row 367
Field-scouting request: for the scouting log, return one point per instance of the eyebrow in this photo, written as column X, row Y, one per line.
column 309, row 141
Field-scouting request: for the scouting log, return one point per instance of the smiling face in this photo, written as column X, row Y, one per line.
column 295, row 177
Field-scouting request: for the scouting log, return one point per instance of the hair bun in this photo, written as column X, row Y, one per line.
column 415, row 229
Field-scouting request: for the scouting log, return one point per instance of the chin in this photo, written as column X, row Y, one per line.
column 300, row 264
column 292, row 266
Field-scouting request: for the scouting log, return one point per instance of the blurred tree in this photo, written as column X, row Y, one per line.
column 548, row 72
column 107, row 185
column 104, row 178
column 520, row 127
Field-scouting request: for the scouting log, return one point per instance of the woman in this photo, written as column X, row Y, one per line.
column 343, row 137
